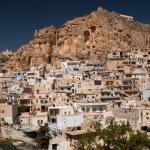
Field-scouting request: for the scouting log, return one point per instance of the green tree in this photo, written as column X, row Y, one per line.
column 116, row 136
column 139, row 141
column 43, row 137
column 86, row 142
column 23, row 108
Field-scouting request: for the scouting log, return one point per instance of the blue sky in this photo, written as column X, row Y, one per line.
column 20, row 18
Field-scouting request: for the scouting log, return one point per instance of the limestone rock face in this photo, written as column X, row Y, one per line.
column 88, row 37
column 36, row 52
column 4, row 57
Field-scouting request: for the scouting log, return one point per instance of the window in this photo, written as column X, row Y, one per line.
column 79, row 86
column 38, row 109
column 3, row 111
column 38, row 121
column 54, row 147
column 88, row 109
column 41, row 121
column 94, row 109
column 97, row 82
column 100, row 109
column 54, row 120
column 83, row 109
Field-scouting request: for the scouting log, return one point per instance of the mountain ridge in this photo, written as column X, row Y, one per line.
column 87, row 37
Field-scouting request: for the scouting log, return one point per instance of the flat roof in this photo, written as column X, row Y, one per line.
column 58, row 107
column 27, row 130
column 79, row 132
column 87, row 104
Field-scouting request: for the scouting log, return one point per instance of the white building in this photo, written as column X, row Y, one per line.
column 128, row 104
column 91, row 109
column 63, row 117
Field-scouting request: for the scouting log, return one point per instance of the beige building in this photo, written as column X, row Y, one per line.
column 89, row 86
column 144, row 116
column 8, row 113
column 137, row 117
column 33, row 120
column 127, row 115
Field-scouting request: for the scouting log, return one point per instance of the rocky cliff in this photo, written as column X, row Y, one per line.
column 87, row 37
column 4, row 58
